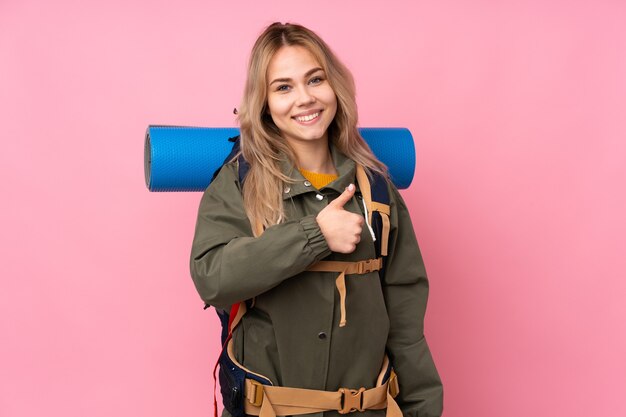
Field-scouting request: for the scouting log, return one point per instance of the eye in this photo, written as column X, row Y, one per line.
column 316, row 80
column 283, row 87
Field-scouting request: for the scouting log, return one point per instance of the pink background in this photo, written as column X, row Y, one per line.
column 518, row 110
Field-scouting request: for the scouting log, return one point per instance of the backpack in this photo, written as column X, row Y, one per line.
column 232, row 375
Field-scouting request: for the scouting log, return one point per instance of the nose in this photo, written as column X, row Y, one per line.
column 304, row 96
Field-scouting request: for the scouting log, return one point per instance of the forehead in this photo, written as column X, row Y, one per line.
column 291, row 62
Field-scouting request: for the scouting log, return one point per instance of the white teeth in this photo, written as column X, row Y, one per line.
column 307, row 118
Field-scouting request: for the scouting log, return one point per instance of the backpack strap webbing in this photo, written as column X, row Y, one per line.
column 346, row 268
column 237, row 312
column 270, row 401
column 376, row 198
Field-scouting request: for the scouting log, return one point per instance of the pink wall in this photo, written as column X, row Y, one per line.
column 519, row 115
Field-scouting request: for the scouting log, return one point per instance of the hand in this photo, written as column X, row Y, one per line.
column 341, row 228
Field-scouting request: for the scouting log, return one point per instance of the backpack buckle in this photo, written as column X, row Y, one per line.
column 255, row 393
column 351, row 400
column 367, row 266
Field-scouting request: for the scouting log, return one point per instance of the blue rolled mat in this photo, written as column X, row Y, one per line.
column 180, row 158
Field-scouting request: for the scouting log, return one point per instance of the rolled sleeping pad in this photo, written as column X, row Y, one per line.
column 181, row 158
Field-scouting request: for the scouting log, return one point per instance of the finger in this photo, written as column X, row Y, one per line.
column 355, row 219
column 340, row 201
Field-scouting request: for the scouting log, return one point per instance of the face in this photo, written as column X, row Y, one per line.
column 299, row 98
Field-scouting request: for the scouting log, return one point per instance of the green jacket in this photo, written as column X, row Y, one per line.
column 292, row 335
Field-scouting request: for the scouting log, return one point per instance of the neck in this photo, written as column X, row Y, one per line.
column 314, row 156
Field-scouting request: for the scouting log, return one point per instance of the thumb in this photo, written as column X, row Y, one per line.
column 340, row 201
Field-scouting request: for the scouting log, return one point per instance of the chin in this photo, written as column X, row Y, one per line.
column 314, row 135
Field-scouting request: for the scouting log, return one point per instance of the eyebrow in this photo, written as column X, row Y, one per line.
column 309, row 72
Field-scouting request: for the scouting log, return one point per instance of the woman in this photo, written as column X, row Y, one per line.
column 298, row 205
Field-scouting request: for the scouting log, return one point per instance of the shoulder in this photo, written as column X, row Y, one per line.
column 394, row 194
column 399, row 212
column 225, row 186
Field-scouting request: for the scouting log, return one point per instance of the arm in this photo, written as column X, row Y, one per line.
column 406, row 294
column 228, row 264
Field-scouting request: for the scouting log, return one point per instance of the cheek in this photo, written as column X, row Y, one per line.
column 277, row 107
column 332, row 102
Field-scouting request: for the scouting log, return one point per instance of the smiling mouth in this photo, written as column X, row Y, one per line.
column 308, row 117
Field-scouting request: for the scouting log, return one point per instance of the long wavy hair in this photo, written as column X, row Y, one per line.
column 261, row 142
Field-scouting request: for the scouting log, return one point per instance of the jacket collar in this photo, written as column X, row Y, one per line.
column 346, row 169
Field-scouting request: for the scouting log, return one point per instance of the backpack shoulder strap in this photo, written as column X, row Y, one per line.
column 375, row 192
column 242, row 167
column 235, row 152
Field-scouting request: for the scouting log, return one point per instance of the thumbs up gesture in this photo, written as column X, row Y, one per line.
column 341, row 228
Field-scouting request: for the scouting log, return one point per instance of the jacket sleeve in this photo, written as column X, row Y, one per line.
column 406, row 293
column 228, row 265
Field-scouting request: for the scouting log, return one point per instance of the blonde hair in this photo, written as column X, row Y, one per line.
column 261, row 143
